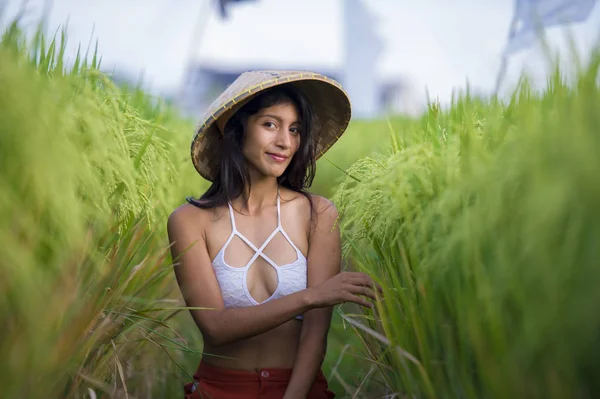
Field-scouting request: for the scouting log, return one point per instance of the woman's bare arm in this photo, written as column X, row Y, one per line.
column 324, row 260
column 199, row 288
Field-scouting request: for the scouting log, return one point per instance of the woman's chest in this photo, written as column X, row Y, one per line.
column 253, row 237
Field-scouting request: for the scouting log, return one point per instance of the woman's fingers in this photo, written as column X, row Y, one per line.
column 366, row 291
column 360, row 285
column 362, row 277
column 361, row 301
column 364, row 280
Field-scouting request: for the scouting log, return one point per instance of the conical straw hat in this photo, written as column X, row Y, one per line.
column 329, row 101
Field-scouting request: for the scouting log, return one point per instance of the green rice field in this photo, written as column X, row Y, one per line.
column 481, row 222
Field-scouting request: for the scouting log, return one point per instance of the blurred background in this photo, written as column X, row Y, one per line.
column 391, row 55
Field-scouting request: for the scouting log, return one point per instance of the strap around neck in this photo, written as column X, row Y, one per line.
column 278, row 209
column 231, row 216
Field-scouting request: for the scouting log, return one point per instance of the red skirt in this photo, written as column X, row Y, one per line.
column 221, row 383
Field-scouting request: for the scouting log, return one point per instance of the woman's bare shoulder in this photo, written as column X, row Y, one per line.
column 300, row 203
column 294, row 201
column 190, row 219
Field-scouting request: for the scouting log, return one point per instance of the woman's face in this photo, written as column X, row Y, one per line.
column 272, row 138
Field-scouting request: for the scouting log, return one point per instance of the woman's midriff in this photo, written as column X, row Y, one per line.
column 273, row 349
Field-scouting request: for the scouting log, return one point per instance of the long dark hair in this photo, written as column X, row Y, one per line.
column 232, row 175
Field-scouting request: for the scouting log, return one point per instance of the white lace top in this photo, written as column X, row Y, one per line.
column 232, row 280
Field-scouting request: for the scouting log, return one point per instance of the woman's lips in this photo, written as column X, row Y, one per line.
column 277, row 157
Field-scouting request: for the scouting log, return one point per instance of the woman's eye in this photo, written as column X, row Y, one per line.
column 295, row 130
column 269, row 124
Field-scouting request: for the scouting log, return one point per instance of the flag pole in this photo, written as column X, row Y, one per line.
column 198, row 33
column 504, row 62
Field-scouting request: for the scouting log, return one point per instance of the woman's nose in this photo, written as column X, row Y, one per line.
column 283, row 138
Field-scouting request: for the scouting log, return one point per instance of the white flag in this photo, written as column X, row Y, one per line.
column 532, row 15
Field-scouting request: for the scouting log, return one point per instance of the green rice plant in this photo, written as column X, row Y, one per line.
column 362, row 138
column 88, row 173
column 482, row 225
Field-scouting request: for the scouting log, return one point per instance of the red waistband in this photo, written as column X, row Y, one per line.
column 215, row 373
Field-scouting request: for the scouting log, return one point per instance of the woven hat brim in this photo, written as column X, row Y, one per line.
column 329, row 101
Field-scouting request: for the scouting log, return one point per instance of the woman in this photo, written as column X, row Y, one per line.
column 256, row 248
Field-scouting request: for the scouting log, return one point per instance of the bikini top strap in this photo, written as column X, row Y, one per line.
column 232, row 217
column 278, row 209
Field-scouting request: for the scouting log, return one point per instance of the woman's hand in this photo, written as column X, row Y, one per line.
column 344, row 287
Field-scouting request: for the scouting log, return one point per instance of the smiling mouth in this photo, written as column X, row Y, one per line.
column 278, row 158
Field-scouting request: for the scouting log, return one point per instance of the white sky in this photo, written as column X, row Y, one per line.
column 436, row 44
